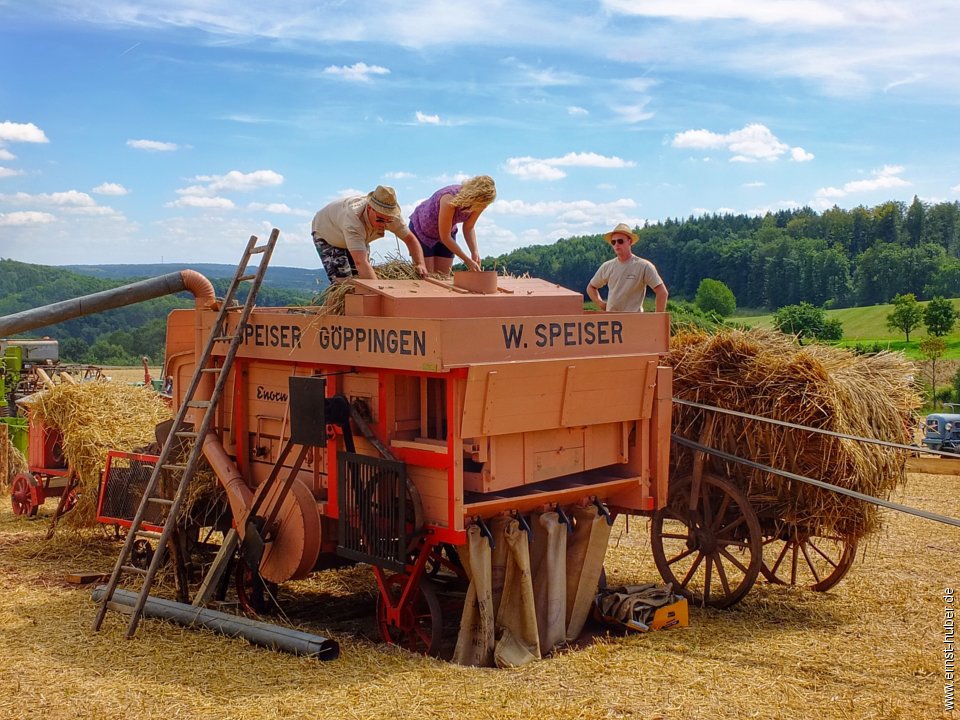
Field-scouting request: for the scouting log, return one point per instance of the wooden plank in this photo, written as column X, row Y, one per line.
column 933, row 465
column 85, row 578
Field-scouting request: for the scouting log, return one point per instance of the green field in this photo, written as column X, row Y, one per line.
column 865, row 325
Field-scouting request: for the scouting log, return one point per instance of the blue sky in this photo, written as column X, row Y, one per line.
column 172, row 130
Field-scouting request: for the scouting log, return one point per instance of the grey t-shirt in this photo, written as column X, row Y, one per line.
column 626, row 282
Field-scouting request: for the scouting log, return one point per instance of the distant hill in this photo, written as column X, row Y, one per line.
column 281, row 278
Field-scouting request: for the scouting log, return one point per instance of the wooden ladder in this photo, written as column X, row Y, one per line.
column 182, row 442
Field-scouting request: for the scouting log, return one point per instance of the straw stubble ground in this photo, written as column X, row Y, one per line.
column 870, row 648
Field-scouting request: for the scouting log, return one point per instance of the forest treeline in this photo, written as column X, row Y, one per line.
column 837, row 258
column 116, row 337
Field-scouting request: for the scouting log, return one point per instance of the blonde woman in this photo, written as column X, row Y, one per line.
column 435, row 220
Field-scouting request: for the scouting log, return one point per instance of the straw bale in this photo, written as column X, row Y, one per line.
column 767, row 374
column 93, row 418
column 12, row 461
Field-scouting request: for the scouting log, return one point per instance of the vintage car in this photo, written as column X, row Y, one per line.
column 942, row 430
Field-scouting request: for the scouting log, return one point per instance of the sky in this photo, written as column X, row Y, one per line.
column 150, row 131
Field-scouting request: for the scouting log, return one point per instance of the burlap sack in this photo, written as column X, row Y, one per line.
column 548, row 559
column 585, row 554
column 475, row 642
column 518, row 640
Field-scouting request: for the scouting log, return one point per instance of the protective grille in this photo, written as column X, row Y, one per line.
column 124, row 481
column 375, row 522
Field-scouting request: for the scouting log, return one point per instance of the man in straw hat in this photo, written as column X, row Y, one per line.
column 343, row 230
column 626, row 276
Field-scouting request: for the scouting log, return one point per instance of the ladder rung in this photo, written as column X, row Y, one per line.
column 160, row 501
column 151, row 534
column 246, row 277
column 198, row 403
column 210, row 370
column 134, row 569
column 259, row 249
column 186, row 433
column 174, row 467
column 223, row 338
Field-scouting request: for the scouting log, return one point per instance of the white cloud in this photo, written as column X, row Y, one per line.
column 197, row 201
column 30, row 217
column 425, row 119
column 399, row 175
column 358, row 72
column 633, row 113
column 762, row 12
column 531, row 168
column 883, row 179
column 955, row 188
column 6, row 154
column 70, row 198
column 577, row 110
column 110, row 189
column 751, row 143
column 153, row 145
column 279, row 209
column 21, row 132
column 9, row 172
column 754, row 184
column 234, row 180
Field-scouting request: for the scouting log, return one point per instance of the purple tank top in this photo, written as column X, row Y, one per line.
column 425, row 219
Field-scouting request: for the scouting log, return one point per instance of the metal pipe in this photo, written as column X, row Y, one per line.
column 186, row 280
column 239, row 495
column 273, row 637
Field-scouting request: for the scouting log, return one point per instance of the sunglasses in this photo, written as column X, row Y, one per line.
column 618, row 241
column 382, row 219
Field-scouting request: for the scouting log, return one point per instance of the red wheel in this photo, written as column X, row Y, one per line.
column 712, row 553
column 797, row 557
column 421, row 622
column 26, row 495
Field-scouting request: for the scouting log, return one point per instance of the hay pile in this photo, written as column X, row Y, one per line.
column 96, row 417
column 766, row 374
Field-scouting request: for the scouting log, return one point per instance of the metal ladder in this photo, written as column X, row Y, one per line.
column 180, row 436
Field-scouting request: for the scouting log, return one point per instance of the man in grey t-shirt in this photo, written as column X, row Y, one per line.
column 626, row 276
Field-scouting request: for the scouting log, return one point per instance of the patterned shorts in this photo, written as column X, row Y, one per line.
column 336, row 261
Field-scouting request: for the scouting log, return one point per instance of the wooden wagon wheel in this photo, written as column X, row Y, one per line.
column 26, row 494
column 421, row 621
column 707, row 541
column 797, row 557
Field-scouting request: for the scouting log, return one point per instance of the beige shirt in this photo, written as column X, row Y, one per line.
column 343, row 224
column 626, row 282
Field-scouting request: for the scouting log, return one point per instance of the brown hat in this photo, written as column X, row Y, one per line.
column 384, row 201
column 621, row 229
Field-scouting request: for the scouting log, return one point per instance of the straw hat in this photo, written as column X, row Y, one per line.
column 622, row 229
column 384, row 201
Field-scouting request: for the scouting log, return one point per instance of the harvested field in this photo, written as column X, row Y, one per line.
column 870, row 648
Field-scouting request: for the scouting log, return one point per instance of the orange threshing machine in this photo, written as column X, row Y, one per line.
column 422, row 410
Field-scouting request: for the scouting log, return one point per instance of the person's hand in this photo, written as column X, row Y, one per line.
column 420, row 270
column 472, row 264
column 602, row 304
column 476, row 259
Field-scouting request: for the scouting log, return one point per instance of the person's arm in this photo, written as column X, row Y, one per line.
column 416, row 253
column 470, row 236
column 445, row 226
column 662, row 295
column 594, row 294
column 364, row 269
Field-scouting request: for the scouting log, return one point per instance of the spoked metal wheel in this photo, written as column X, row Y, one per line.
column 420, row 627
column 26, row 495
column 797, row 557
column 255, row 595
column 710, row 552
